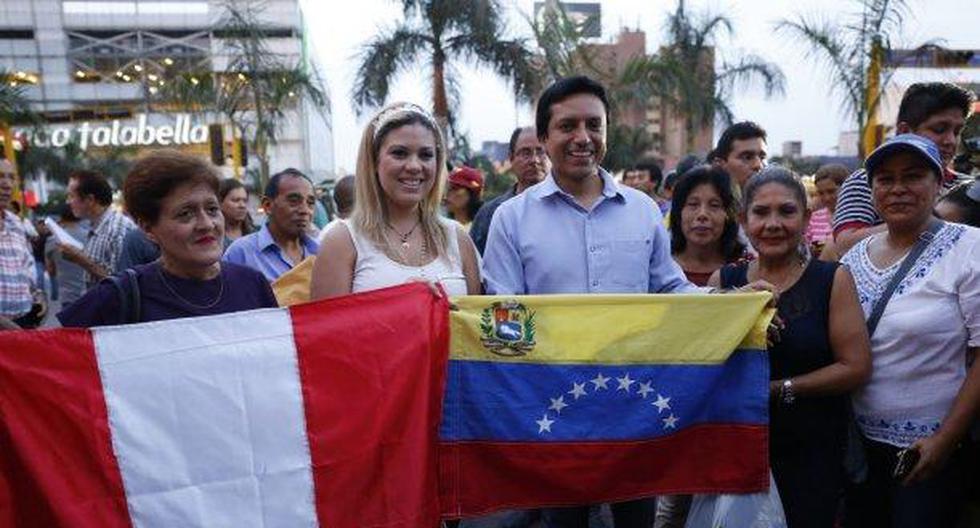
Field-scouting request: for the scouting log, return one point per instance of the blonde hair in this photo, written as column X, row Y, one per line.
column 370, row 215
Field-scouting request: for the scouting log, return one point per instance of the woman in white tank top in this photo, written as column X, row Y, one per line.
column 395, row 234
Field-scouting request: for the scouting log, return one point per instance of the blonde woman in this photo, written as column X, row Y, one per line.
column 395, row 234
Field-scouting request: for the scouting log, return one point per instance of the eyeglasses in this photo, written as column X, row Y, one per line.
column 528, row 153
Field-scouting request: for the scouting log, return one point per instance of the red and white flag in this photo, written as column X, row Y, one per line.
column 325, row 414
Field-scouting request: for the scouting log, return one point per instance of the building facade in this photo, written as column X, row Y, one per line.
column 667, row 128
column 97, row 71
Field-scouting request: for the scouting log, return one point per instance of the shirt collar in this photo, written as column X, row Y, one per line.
column 265, row 240
column 550, row 187
column 101, row 221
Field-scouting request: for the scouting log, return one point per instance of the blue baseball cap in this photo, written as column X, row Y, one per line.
column 914, row 143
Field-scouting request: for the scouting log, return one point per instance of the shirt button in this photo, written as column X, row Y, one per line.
column 595, row 283
column 592, row 249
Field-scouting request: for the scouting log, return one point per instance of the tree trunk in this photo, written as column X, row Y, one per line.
column 440, row 101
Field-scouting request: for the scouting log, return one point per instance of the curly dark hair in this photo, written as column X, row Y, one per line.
column 156, row 175
column 731, row 248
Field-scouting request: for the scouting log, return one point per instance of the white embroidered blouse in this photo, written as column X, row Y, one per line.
column 919, row 348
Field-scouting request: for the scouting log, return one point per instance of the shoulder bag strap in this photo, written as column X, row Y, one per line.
column 135, row 306
column 917, row 249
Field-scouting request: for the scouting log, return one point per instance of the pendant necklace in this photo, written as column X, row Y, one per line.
column 403, row 237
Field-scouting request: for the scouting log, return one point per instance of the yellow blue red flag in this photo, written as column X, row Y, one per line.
column 577, row 399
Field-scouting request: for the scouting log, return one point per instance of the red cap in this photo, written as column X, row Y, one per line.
column 467, row 177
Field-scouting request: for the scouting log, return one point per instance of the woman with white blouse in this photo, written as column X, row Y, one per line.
column 395, row 233
column 922, row 396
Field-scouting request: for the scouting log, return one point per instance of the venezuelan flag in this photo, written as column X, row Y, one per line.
column 578, row 399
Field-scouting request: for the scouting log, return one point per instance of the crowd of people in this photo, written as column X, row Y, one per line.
column 875, row 273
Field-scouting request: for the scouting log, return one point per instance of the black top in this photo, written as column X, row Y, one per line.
column 165, row 296
column 804, row 346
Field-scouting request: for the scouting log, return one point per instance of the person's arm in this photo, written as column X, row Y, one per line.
column 935, row 450
column 848, row 337
column 471, row 263
column 333, row 271
column 502, row 265
column 76, row 256
column 852, row 233
column 480, row 227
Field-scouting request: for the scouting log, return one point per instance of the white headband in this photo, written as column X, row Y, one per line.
column 398, row 110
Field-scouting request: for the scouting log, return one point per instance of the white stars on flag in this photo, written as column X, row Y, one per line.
column 661, row 404
column 544, row 424
column 625, row 382
column 557, row 404
column 578, row 390
column 557, row 409
column 600, row 382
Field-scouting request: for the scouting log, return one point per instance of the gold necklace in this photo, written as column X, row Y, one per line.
column 404, row 236
column 172, row 290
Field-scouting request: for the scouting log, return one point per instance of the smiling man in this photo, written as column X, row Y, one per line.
column 283, row 241
column 579, row 232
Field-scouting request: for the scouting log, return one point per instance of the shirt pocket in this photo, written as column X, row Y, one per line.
column 630, row 263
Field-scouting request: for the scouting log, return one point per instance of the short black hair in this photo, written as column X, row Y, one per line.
column 731, row 248
column 739, row 131
column 960, row 197
column 94, row 184
column 563, row 89
column 652, row 167
column 513, row 140
column 272, row 188
column 923, row 100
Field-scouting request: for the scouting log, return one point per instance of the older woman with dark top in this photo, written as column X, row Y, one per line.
column 821, row 355
column 704, row 224
column 174, row 198
column 922, row 397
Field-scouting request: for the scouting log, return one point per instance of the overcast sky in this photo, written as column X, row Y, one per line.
column 808, row 112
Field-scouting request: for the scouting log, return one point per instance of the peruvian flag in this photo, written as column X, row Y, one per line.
column 326, row 414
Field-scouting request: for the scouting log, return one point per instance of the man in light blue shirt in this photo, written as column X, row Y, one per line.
column 578, row 232
column 283, row 241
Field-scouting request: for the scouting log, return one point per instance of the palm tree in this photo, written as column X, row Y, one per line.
column 853, row 51
column 257, row 88
column 437, row 33
column 685, row 75
column 15, row 107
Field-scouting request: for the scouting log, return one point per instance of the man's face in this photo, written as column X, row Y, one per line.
column 642, row 181
column 6, row 184
column 81, row 206
column 943, row 128
column 291, row 211
column 529, row 160
column 576, row 136
column 748, row 156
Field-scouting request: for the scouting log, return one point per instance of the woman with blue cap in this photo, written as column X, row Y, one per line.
column 919, row 287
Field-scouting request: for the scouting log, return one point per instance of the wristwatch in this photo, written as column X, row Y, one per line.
column 786, row 394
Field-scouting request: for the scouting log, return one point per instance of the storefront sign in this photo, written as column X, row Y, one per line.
column 118, row 133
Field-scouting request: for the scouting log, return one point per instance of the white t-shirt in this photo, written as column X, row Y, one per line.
column 919, row 348
column 373, row 269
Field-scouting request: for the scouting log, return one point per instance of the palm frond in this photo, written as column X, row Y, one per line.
column 381, row 60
